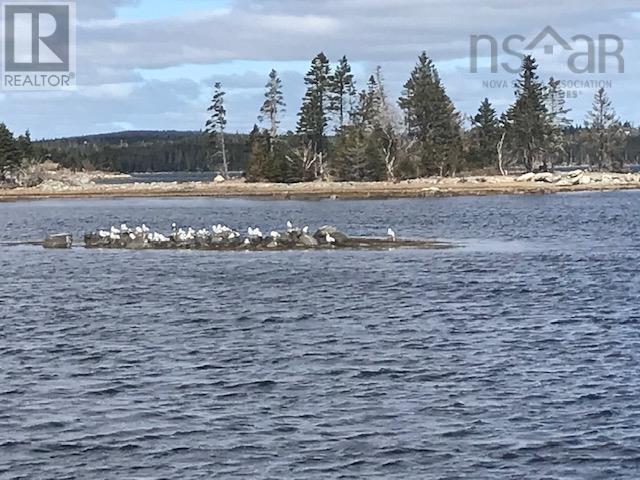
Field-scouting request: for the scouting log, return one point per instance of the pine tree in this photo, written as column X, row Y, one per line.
column 312, row 121
column 217, row 123
column 24, row 145
column 527, row 119
column 557, row 122
column 257, row 168
column 274, row 104
column 431, row 120
column 485, row 135
column 9, row 152
column 605, row 132
column 342, row 91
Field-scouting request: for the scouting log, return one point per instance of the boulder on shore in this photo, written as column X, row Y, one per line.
column 527, row 177
column 62, row 240
column 219, row 179
column 546, row 177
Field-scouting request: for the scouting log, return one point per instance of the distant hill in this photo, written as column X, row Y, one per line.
column 145, row 151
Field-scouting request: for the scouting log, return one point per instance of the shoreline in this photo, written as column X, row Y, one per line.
column 421, row 188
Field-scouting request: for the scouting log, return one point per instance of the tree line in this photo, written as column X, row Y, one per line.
column 348, row 134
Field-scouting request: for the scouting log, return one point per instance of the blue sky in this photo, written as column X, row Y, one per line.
column 150, row 64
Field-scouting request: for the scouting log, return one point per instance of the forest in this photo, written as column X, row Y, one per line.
column 348, row 134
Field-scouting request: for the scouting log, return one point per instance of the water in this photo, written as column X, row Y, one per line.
column 164, row 177
column 513, row 356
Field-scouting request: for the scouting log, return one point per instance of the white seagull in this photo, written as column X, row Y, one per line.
column 392, row 235
column 330, row 240
column 289, row 226
column 305, row 230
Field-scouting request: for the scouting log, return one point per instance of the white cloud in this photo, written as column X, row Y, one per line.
column 114, row 51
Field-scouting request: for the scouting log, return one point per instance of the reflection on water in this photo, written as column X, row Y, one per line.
column 515, row 356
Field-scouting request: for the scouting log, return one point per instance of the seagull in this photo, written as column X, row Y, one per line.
column 254, row 232
column 275, row 235
column 289, row 226
column 103, row 234
column 174, row 227
column 124, row 228
column 115, row 231
column 330, row 239
column 305, row 230
column 392, row 235
column 139, row 230
column 145, row 229
column 247, row 241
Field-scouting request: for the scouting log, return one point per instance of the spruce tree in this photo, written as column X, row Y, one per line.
column 313, row 118
column 558, row 122
column 9, row 152
column 485, row 134
column 431, row 120
column 24, row 145
column 605, row 134
column 216, row 125
column 258, row 167
column 342, row 91
column 527, row 119
column 273, row 104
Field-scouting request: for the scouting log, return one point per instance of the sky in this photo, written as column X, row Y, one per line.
column 151, row 64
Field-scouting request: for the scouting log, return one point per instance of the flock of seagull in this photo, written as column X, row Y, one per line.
column 254, row 234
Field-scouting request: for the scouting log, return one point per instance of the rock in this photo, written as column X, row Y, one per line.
column 219, row 179
column 543, row 177
column 527, row 177
column 584, row 180
column 307, row 241
column 137, row 243
column 62, row 240
column 321, row 235
column 575, row 173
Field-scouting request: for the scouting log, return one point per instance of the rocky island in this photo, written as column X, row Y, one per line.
column 223, row 238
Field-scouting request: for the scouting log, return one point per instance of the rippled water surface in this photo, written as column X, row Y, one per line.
column 514, row 356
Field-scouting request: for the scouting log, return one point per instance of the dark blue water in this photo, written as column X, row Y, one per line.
column 164, row 177
column 514, row 356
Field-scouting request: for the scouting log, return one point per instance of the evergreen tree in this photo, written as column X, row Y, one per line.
column 312, row 119
column 9, row 153
column 342, row 91
column 273, row 104
column 485, row 135
column 216, row 125
column 258, row 164
column 606, row 135
column 527, row 119
column 558, row 121
column 24, row 146
column 431, row 120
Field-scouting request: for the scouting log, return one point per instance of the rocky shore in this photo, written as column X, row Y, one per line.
column 49, row 176
column 581, row 177
column 425, row 187
column 222, row 237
